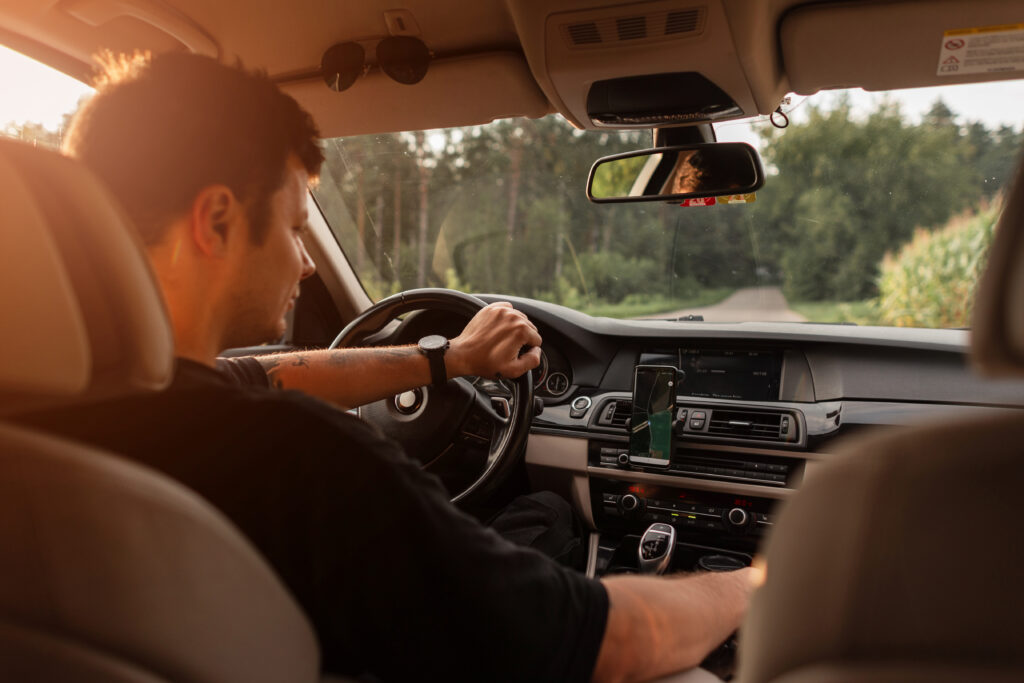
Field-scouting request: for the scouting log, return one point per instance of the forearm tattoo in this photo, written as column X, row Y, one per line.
column 273, row 365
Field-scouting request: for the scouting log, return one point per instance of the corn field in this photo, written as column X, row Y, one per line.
column 930, row 282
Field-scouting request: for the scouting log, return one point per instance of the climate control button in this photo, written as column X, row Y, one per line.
column 737, row 517
column 632, row 506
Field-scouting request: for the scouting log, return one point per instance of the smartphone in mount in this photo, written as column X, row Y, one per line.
column 651, row 434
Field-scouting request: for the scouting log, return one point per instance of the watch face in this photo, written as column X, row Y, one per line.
column 433, row 342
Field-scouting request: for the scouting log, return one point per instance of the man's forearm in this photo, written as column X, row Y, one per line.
column 660, row 625
column 349, row 377
column 498, row 341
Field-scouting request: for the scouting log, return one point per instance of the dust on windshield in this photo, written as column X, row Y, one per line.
column 869, row 215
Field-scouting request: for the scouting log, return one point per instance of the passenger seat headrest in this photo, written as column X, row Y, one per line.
column 997, row 328
column 81, row 312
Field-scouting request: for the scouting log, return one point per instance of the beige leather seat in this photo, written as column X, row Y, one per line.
column 109, row 571
column 901, row 561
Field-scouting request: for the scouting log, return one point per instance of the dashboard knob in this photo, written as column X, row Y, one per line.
column 737, row 517
column 623, row 459
column 630, row 503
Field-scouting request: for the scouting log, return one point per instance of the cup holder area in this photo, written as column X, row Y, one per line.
column 620, row 557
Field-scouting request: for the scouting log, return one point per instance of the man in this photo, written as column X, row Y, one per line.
column 212, row 163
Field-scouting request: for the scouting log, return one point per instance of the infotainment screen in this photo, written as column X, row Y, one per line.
column 732, row 374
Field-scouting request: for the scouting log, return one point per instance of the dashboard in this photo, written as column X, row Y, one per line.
column 758, row 407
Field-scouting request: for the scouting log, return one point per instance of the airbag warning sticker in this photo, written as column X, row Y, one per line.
column 989, row 49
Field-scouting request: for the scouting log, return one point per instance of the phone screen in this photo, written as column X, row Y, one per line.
column 651, row 440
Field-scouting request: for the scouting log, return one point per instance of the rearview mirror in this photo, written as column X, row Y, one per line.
column 676, row 173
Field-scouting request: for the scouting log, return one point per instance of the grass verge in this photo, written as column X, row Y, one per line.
column 859, row 312
column 636, row 306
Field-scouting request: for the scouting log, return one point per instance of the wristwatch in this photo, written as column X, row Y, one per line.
column 433, row 347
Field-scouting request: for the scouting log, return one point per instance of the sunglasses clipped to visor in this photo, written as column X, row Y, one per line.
column 403, row 58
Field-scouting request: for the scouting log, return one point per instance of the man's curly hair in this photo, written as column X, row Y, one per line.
column 160, row 129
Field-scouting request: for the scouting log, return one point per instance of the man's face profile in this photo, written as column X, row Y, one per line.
column 266, row 275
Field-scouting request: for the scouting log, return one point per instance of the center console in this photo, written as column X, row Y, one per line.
column 723, row 423
column 707, row 524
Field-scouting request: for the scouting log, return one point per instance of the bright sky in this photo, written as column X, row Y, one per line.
column 995, row 104
column 30, row 91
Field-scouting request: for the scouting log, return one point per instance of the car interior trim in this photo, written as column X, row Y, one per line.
column 593, row 543
column 334, row 269
column 690, row 483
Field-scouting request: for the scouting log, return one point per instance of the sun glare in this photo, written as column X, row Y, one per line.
column 31, row 92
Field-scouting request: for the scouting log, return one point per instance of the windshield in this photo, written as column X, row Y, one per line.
column 872, row 213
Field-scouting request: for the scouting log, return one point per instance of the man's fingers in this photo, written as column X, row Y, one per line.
column 527, row 320
column 534, row 339
column 525, row 362
column 492, row 341
column 497, row 304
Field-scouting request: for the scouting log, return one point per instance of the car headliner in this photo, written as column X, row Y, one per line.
column 500, row 58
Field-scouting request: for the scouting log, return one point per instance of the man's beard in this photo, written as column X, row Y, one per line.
column 252, row 327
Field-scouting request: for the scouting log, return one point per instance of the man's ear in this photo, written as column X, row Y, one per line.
column 216, row 213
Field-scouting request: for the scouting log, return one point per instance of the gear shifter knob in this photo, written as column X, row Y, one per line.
column 655, row 551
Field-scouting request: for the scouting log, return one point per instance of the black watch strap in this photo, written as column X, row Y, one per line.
column 434, row 347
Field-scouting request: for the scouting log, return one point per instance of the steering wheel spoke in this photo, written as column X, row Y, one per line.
column 495, row 407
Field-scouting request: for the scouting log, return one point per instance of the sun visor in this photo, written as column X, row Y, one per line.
column 883, row 46
column 456, row 91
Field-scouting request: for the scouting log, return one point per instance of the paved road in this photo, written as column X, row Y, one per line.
column 760, row 304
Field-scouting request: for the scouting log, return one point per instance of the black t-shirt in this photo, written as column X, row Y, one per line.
column 396, row 580
column 244, row 371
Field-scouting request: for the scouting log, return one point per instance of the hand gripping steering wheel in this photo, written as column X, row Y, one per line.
column 470, row 432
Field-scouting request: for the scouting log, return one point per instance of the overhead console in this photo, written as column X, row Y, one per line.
column 658, row 100
column 605, row 67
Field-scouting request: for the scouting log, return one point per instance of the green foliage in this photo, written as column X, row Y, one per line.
column 930, row 282
column 502, row 210
column 38, row 134
column 32, row 133
column 617, row 276
column 616, row 179
column 848, row 190
column 641, row 305
column 856, row 312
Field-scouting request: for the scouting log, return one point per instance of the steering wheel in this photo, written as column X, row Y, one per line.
column 471, row 432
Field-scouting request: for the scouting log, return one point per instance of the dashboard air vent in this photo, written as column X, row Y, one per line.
column 584, row 34
column 685, row 21
column 615, row 413
column 634, row 28
column 743, row 424
column 631, row 28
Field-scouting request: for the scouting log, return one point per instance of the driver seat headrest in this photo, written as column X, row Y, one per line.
column 82, row 314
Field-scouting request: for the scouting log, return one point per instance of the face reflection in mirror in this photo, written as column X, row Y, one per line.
column 687, row 174
column 711, row 171
column 705, row 170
